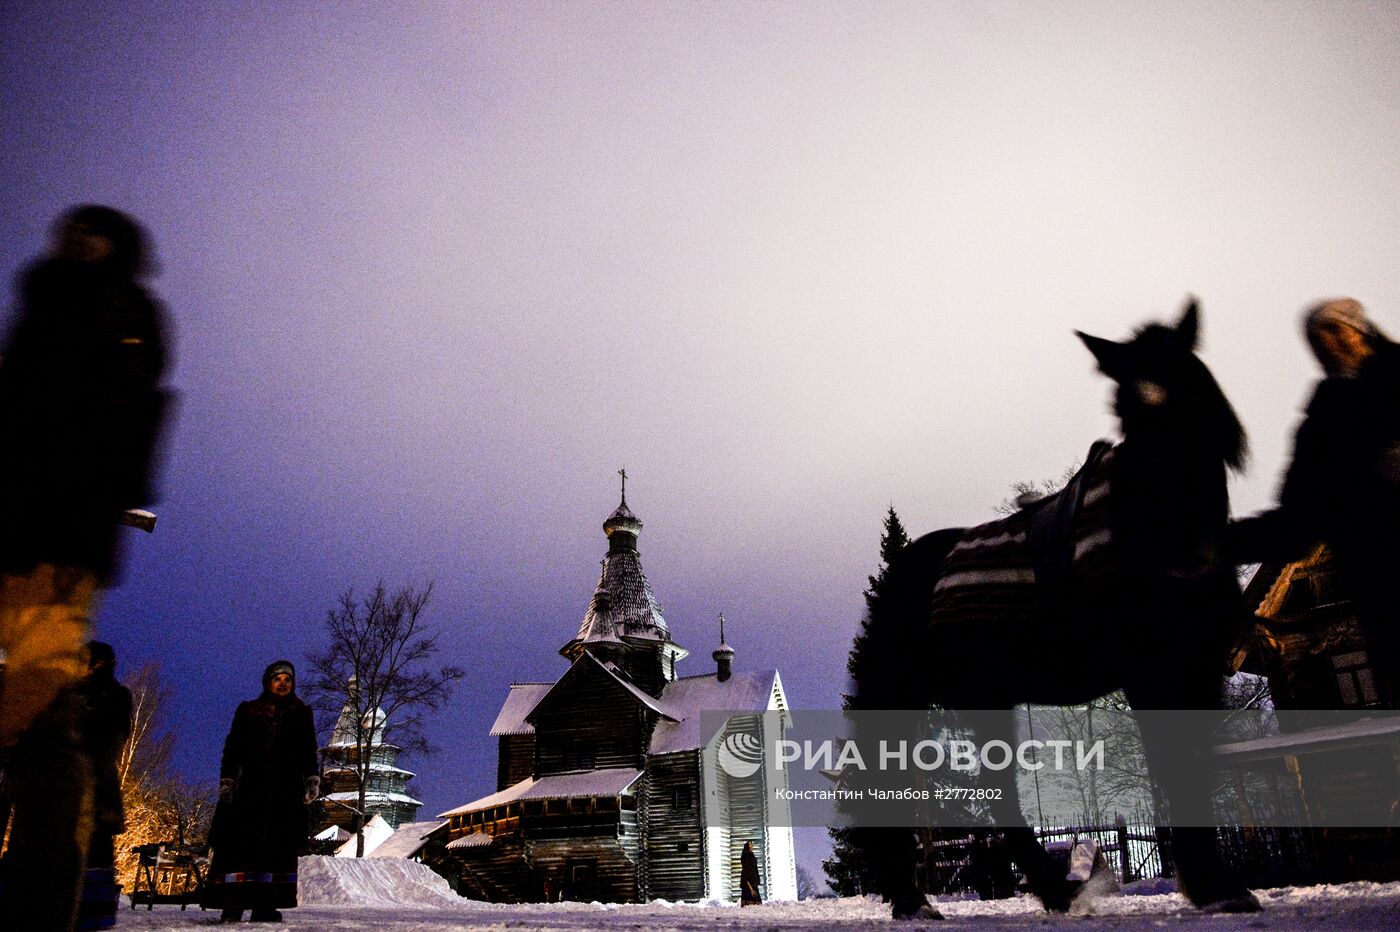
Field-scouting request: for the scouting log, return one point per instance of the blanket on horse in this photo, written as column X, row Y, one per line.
column 1030, row 565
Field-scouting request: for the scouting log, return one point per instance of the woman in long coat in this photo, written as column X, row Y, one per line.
column 266, row 780
column 748, row 877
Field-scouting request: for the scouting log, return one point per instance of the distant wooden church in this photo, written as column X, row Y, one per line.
column 1306, row 640
column 608, row 787
column 387, row 791
column 1339, row 765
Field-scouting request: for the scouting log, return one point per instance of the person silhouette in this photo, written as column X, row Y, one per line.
column 81, row 407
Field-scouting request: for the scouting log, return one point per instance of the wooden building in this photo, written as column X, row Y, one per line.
column 608, row 786
column 387, row 792
column 1306, row 642
column 1334, row 767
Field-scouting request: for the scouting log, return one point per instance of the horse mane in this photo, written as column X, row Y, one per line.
column 1222, row 426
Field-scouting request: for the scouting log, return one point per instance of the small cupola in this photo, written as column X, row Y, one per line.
column 622, row 527
column 723, row 655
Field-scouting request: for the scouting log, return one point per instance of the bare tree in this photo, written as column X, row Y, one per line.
column 1122, row 785
column 147, row 750
column 373, row 676
column 160, row 806
column 807, row 886
column 1025, row 492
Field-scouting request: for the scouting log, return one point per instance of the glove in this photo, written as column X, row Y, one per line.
column 313, row 789
column 227, row 786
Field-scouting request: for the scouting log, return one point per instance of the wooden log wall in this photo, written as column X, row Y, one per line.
column 515, row 760
column 747, row 801
column 597, row 724
column 675, row 840
column 609, row 865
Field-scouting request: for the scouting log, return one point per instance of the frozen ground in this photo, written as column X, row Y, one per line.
column 399, row 896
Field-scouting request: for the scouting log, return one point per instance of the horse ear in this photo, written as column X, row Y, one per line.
column 1108, row 353
column 1189, row 327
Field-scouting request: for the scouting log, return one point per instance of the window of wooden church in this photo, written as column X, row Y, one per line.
column 579, row 757
column 681, row 798
column 1325, row 588
column 1300, row 597
column 1355, row 681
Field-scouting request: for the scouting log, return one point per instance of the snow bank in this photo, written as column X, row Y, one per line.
column 402, row 896
column 331, row 881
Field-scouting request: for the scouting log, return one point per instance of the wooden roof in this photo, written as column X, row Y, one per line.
column 519, row 701
column 587, row 661
column 612, row 781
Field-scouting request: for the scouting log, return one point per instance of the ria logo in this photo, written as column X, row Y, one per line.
column 741, row 754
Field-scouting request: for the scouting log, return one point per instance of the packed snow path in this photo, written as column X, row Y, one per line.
column 400, row 896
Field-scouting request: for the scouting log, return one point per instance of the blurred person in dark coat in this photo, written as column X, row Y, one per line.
column 80, row 410
column 106, row 706
column 748, row 877
column 1342, row 487
column 106, row 728
column 267, row 778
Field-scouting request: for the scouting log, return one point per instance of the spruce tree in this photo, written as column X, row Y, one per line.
column 848, row 871
column 892, row 541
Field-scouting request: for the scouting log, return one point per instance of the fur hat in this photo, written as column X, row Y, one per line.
column 131, row 250
column 1339, row 310
column 280, row 666
column 100, row 652
column 1347, row 312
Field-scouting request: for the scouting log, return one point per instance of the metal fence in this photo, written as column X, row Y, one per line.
column 1136, row 849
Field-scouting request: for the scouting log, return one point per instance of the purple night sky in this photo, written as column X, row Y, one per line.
column 438, row 270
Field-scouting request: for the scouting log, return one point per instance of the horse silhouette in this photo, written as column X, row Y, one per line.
column 1119, row 581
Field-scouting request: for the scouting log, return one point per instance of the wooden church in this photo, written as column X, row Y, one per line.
column 608, row 786
column 1307, row 642
column 386, row 794
column 1334, row 763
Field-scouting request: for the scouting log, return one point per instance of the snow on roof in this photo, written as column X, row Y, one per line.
column 407, row 840
column 612, row 781
column 373, row 798
column 623, row 604
column 345, row 733
column 477, row 840
column 1372, row 729
column 647, row 700
column 333, row 833
column 521, row 699
column 690, row 697
column 373, row 768
column 376, row 832
column 659, row 707
column 500, row 798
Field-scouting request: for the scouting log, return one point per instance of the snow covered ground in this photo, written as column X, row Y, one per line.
column 400, row 896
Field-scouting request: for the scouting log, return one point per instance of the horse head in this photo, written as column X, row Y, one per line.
column 1164, row 387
